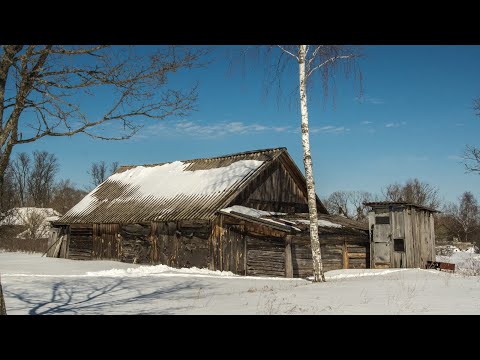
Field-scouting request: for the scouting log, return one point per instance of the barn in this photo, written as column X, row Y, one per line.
column 244, row 212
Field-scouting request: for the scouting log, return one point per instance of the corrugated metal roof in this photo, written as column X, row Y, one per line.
column 296, row 222
column 190, row 189
column 375, row 204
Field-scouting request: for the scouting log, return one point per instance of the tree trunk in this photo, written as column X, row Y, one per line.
column 307, row 162
column 3, row 308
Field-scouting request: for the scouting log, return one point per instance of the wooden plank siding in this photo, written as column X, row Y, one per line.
column 414, row 224
column 106, row 242
column 80, row 241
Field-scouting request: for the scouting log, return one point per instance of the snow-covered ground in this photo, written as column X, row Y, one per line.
column 39, row 285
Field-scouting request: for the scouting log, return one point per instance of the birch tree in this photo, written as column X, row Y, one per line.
column 47, row 91
column 310, row 60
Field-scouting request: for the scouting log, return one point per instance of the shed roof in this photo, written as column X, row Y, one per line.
column 299, row 222
column 376, row 204
column 189, row 189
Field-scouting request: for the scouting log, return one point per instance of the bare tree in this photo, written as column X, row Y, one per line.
column 322, row 60
column 472, row 153
column 471, row 156
column 413, row 191
column 7, row 191
column 466, row 215
column 98, row 173
column 42, row 177
column 114, row 167
column 337, row 203
column 357, row 199
column 349, row 204
column 43, row 89
column 21, row 172
column 65, row 196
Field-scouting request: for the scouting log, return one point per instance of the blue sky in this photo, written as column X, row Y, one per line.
column 414, row 120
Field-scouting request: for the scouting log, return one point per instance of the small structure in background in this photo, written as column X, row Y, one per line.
column 402, row 235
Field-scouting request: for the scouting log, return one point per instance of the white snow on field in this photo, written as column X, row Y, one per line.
column 36, row 219
column 36, row 285
column 171, row 179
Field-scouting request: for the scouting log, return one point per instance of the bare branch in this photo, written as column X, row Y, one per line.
column 48, row 86
column 288, row 52
column 326, row 62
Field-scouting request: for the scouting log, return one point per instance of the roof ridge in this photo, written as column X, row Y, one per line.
column 260, row 151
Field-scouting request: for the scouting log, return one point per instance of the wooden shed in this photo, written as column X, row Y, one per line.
column 174, row 214
column 402, row 235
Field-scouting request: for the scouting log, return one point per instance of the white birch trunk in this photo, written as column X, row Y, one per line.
column 307, row 162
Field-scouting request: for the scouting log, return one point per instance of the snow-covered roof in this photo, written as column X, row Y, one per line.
column 22, row 215
column 249, row 211
column 170, row 191
column 36, row 219
column 294, row 222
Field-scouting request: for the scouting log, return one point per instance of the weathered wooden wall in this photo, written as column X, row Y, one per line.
column 415, row 226
column 181, row 243
column 80, row 244
column 106, row 242
column 135, row 243
column 342, row 251
column 275, row 189
column 271, row 252
column 227, row 246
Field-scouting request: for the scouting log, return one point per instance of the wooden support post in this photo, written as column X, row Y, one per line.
column 288, row 257
column 345, row 255
column 3, row 308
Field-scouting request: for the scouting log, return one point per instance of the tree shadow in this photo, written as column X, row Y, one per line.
column 68, row 298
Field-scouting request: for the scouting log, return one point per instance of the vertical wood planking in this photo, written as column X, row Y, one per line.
column 288, row 257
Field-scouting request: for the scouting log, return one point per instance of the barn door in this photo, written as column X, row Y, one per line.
column 381, row 244
column 265, row 256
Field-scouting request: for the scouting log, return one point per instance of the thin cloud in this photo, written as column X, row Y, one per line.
column 224, row 128
column 329, row 129
column 395, row 124
column 454, row 157
column 459, row 124
column 210, row 130
column 366, row 122
column 369, row 100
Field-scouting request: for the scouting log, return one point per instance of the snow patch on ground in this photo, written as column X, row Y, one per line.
column 157, row 270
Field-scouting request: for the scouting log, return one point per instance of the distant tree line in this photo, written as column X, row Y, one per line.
column 31, row 180
column 457, row 221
